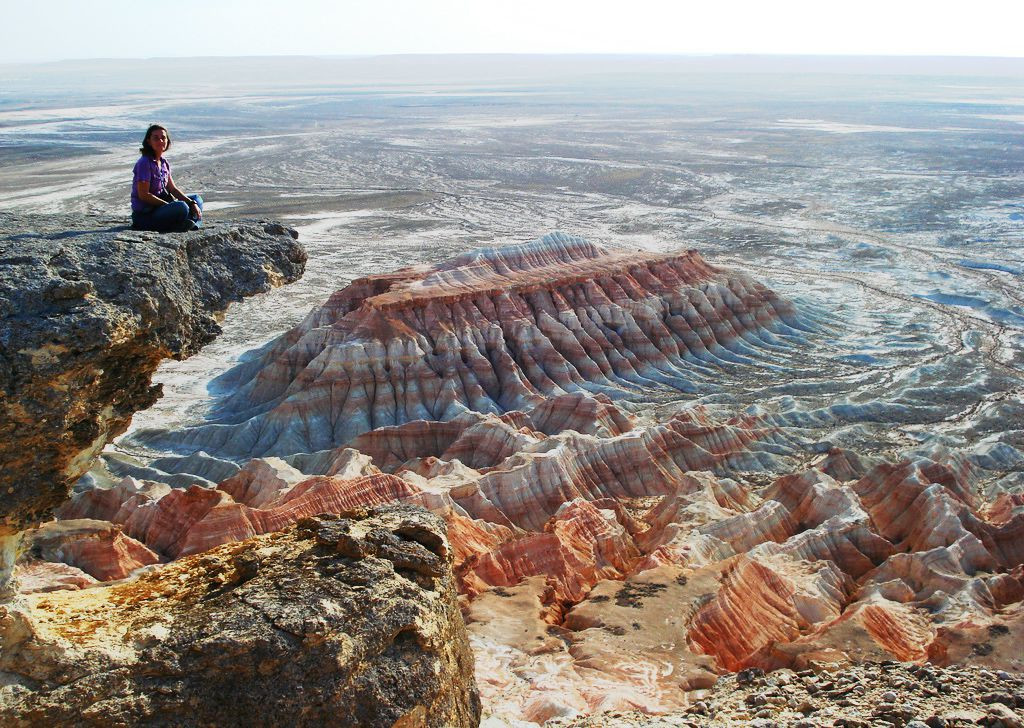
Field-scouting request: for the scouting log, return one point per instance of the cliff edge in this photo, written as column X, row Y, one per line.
column 88, row 309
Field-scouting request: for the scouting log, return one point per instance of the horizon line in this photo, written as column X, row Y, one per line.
column 517, row 54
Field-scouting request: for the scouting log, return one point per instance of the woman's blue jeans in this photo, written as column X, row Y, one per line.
column 170, row 218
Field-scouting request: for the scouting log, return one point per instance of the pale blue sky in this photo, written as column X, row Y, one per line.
column 42, row 30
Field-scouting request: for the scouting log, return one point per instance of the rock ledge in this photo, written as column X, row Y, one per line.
column 88, row 309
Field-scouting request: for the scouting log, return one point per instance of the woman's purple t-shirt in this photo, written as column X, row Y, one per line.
column 152, row 171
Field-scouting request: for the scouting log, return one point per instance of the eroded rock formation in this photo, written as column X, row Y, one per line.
column 608, row 558
column 493, row 331
column 98, row 548
column 898, row 563
column 339, row 621
column 86, row 315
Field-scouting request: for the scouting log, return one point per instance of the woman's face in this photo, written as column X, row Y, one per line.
column 158, row 141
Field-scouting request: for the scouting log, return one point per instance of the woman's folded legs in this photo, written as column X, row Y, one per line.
column 170, row 218
column 199, row 203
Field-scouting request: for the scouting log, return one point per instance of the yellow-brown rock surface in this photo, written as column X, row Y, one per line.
column 339, row 621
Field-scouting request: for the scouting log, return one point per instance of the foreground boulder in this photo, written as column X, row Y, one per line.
column 88, row 309
column 339, row 621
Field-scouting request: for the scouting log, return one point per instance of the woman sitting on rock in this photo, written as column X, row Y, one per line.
column 157, row 204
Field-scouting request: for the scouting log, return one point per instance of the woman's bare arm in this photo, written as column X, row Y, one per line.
column 142, row 187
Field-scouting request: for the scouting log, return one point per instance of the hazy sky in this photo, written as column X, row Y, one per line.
column 41, row 30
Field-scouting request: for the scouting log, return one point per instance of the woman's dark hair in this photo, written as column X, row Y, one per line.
column 148, row 150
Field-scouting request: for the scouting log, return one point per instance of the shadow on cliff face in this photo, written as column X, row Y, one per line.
column 69, row 234
column 80, row 233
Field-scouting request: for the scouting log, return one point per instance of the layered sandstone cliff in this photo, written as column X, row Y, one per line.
column 494, row 331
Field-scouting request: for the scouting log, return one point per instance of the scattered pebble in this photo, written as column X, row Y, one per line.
column 870, row 695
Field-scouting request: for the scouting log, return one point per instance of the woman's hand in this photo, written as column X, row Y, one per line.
column 193, row 208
